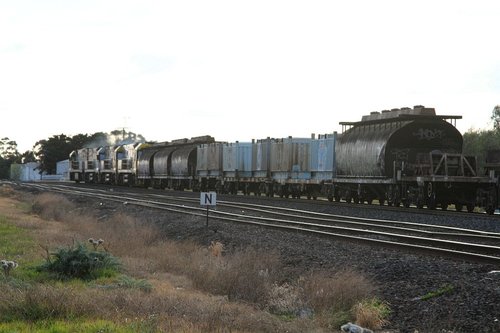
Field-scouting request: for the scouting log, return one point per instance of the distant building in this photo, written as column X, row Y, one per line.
column 62, row 169
column 28, row 172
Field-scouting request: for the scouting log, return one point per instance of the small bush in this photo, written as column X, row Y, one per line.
column 371, row 313
column 284, row 299
column 80, row 262
column 6, row 190
column 247, row 274
column 129, row 282
column 339, row 292
column 40, row 302
column 51, row 206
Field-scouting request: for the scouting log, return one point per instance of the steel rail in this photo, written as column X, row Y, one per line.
column 461, row 232
column 312, row 228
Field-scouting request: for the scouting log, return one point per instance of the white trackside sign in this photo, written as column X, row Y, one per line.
column 208, row 198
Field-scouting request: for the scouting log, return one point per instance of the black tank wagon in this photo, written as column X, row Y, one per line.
column 170, row 164
column 409, row 156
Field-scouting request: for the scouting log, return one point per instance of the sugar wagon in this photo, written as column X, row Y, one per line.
column 409, row 156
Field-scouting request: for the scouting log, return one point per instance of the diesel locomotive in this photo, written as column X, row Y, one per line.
column 407, row 156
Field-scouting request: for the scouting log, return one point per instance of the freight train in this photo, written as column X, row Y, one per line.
column 407, row 156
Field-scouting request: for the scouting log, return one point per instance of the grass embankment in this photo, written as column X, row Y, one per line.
column 159, row 285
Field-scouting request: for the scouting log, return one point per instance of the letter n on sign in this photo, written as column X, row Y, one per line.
column 208, row 198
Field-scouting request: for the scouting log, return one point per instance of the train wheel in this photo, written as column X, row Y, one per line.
column 420, row 203
column 431, row 203
column 406, row 203
column 458, row 207
column 337, row 198
column 470, row 208
column 490, row 210
column 444, row 206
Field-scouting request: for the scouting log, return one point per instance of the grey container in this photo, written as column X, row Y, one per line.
column 237, row 159
column 290, row 158
column 323, row 157
column 209, row 163
column 260, row 158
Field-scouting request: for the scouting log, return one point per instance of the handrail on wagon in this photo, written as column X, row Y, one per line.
column 446, row 161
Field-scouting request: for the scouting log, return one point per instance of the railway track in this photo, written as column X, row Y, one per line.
column 458, row 243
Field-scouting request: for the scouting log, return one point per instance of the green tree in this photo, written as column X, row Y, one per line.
column 4, row 168
column 8, row 155
column 478, row 143
column 8, row 149
column 28, row 156
column 49, row 152
column 495, row 116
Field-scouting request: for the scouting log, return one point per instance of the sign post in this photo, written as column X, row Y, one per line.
column 208, row 199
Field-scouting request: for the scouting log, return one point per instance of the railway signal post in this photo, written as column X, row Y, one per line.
column 208, row 199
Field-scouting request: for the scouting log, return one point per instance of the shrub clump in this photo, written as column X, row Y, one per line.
column 51, row 206
column 81, row 263
column 372, row 313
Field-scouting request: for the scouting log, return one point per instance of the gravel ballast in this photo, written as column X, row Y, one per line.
column 471, row 298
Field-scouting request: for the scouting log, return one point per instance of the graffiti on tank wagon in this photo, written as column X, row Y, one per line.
column 428, row 134
column 400, row 154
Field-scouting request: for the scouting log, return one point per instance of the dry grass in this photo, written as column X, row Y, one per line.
column 371, row 313
column 285, row 299
column 7, row 191
column 216, row 248
column 167, row 306
column 333, row 297
column 340, row 291
column 194, row 287
column 52, row 206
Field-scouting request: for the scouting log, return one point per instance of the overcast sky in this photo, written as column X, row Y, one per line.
column 239, row 70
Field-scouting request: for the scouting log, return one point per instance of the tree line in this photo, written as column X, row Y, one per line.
column 479, row 142
column 48, row 152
